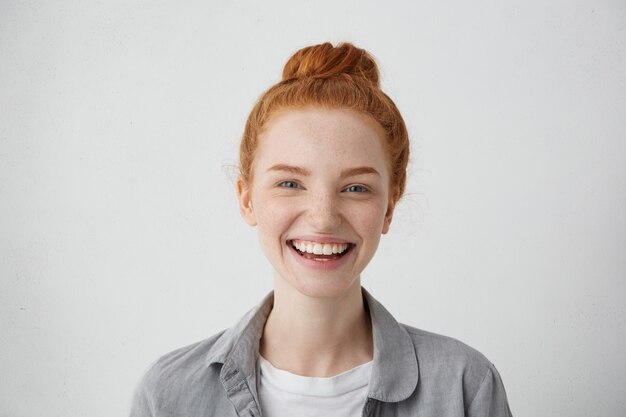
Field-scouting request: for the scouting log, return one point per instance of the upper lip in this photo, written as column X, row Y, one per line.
column 320, row 239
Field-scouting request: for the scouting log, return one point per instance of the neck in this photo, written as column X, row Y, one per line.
column 315, row 336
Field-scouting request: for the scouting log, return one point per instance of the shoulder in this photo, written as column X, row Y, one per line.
column 187, row 375
column 453, row 351
column 188, row 359
column 447, row 362
column 176, row 374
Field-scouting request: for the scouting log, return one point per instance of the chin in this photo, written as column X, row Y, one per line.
column 322, row 286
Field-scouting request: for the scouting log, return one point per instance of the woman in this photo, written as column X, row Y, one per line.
column 323, row 163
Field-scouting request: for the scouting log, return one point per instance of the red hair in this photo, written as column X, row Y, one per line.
column 331, row 77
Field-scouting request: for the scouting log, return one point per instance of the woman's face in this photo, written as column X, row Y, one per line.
column 320, row 197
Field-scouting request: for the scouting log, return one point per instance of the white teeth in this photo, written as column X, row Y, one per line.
column 320, row 248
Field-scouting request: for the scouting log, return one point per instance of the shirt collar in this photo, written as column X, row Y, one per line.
column 395, row 372
column 395, row 368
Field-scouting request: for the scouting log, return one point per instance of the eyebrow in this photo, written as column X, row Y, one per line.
column 352, row 172
column 289, row 168
column 349, row 172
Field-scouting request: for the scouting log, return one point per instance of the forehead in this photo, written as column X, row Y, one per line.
column 322, row 137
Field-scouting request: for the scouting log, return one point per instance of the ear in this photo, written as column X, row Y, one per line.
column 244, row 196
column 389, row 215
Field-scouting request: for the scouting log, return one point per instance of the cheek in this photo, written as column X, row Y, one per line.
column 369, row 219
column 273, row 218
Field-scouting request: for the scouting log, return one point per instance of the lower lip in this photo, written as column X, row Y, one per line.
column 328, row 265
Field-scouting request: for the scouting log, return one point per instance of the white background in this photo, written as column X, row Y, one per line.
column 120, row 238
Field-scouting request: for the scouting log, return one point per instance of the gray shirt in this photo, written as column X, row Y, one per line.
column 415, row 373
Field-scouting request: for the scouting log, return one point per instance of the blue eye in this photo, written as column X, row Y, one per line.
column 357, row 189
column 289, row 184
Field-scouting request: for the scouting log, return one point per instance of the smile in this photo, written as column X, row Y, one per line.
column 320, row 251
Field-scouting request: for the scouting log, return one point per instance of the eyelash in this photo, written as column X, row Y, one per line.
column 294, row 185
column 363, row 188
column 282, row 184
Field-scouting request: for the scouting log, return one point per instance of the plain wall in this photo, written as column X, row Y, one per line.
column 120, row 238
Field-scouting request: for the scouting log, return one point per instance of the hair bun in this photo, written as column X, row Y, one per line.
column 325, row 61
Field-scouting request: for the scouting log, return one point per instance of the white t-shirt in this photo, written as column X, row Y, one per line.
column 283, row 394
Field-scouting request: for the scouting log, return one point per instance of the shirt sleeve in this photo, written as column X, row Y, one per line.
column 490, row 400
column 142, row 403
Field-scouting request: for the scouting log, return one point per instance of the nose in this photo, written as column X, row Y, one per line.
column 323, row 212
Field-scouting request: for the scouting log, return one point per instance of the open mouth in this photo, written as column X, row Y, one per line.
column 320, row 251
